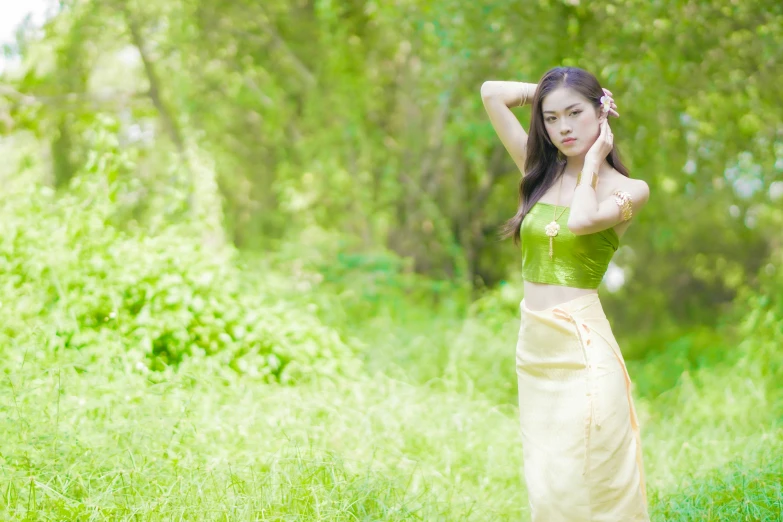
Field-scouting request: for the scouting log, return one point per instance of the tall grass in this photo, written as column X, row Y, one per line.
column 88, row 435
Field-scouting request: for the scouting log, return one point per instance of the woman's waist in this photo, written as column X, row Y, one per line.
column 543, row 296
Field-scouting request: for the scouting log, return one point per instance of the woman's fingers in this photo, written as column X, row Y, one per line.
column 613, row 108
column 607, row 131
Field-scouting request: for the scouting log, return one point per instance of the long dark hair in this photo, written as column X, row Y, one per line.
column 543, row 165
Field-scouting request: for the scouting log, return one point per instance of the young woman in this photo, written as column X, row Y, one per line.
column 580, row 435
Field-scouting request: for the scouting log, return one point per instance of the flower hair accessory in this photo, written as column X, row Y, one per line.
column 606, row 103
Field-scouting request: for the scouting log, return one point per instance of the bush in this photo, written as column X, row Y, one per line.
column 167, row 293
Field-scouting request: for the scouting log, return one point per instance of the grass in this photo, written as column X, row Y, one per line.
column 107, row 444
column 429, row 432
column 734, row 492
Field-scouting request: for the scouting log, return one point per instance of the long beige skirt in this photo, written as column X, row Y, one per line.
column 581, row 442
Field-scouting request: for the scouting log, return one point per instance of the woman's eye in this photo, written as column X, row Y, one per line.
column 550, row 119
column 575, row 113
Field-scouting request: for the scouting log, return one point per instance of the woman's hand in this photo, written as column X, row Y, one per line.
column 602, row 146
column 605, row 142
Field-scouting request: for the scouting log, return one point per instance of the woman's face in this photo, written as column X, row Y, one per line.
column 572, row 122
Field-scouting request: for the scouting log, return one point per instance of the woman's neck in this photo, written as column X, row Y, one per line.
column 574, row 165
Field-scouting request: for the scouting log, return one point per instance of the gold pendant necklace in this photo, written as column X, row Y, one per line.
column 553, row 228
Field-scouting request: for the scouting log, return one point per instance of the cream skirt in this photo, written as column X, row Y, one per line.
column 581, row 442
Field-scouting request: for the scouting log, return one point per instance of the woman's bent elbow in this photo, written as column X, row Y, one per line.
column 578, row 228
column 487, row 89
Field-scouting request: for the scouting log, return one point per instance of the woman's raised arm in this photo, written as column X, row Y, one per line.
column 498, row 97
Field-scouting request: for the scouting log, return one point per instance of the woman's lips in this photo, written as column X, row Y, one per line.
column 569, row 141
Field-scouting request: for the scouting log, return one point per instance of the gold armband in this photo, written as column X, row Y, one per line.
column 593, row 179
column 523, row 100
column 623, row 200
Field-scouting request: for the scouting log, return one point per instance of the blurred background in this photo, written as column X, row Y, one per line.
column 302, row 199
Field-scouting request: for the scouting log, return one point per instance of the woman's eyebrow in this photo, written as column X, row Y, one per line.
column 572, row 105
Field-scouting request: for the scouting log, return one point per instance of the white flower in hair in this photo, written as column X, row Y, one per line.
column 606, row 103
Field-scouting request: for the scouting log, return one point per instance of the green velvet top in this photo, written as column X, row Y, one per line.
column 577, row 261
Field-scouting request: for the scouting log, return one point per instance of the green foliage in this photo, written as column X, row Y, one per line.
column 498, row 304
column 167, row 294
column 371, row 127
column 358, row 173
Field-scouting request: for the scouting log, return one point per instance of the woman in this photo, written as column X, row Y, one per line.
column 580, row 435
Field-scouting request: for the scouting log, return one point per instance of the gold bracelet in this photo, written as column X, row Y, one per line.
column 524, row 101
column 593, row 179
column 624, row 201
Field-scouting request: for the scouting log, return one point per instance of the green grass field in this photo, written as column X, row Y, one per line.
column 88, row 435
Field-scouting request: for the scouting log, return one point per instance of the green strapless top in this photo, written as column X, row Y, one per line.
column 577, row 261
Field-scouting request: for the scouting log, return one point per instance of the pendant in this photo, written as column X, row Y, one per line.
column 551, row 230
